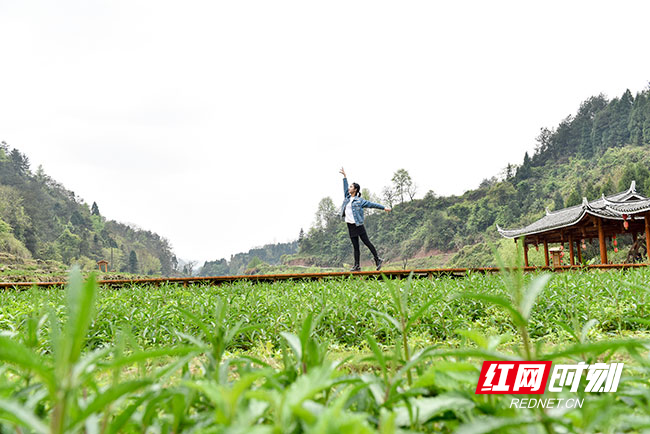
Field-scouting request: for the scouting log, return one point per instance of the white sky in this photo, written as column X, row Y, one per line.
column 220, row 125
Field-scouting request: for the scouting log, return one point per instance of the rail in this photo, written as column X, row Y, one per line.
column 393, row 274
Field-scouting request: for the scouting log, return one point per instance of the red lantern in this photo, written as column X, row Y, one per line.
column 615, row 249
column 626, row 225
column 615, row 242
column 561, row 246
column 624, row 216
column 561, row 254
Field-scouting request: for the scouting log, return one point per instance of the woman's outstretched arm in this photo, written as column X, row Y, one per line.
column 368, row 204
column 346, row 193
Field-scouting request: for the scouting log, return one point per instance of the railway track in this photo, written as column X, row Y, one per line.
column 393, row 274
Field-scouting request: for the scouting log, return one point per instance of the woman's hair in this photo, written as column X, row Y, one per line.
column 357, row 187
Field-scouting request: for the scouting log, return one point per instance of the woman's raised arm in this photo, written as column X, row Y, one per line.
column 346, row 193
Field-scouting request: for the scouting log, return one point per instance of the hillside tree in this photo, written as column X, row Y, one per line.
column 326, row 214
column 402, row 183
column 133, row 262
column 573, row 199
column 389, row 196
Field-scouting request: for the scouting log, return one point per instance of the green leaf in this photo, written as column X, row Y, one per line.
column 81, row 298
column 255, row 360
column 379, row 355
column 242, row 385
column 196, row 321
column 564, row 326
column 424, row 409
column 80, row 371
column 517, row 318
column 448, row 375
column 587, row 328
column 533, row 290
column 110, row 395
column 14, row 412
column 475, row 337
column 211, row 390
column 294, row 343
column 387, row 422
column 595, row 348
column 475, row 352
column 152, row 354
column 389, row 319
column 637, row 286
column 306, row 330
column 643, row 321
column 178, row 410
column 19, row 355
column 419, row 312
column 493, row 424
column 163, row 373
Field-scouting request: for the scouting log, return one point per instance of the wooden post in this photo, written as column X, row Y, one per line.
column 572, row 255
column 546, row 261
column 525, row 254
column 601, row 241
column 646, row 217
column 579, row 252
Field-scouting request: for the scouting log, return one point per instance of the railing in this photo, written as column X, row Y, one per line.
column 393, row 274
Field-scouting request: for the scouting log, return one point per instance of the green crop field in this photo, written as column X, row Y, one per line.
column 347, row 355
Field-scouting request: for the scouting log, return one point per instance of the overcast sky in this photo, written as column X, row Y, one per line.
column 220, row 125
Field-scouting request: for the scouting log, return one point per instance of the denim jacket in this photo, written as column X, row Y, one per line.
column 358, row 204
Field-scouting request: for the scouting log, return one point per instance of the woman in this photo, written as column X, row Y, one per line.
column 352, row 213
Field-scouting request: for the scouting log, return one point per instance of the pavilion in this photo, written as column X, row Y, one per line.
column 625, row 212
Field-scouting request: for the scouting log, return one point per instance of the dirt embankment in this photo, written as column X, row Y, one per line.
column 16, row 269
column 299, row 262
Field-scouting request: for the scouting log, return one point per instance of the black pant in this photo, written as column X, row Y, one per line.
column 355, row 234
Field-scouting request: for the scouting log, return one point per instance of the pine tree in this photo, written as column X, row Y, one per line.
column 621, row 134
column 646, row 123
column 133, row 262
column 524, row 170
column 94, row 210
column 301, row 239
column 637, row 118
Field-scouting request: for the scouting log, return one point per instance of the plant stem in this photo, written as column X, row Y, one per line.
column 407, row 356
column 526, row 341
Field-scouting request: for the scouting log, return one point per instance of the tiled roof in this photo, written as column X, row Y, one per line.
column 632, row 207
column 610, row 207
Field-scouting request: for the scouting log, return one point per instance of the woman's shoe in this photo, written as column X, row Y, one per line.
column 379, row 263
column 355, row 268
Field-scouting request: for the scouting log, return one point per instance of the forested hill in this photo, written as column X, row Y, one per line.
column 599, row 149
column 40, row 219
column 249, row 262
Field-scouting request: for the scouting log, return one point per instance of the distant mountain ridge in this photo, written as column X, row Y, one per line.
column 247, row 262
column 41, row 219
